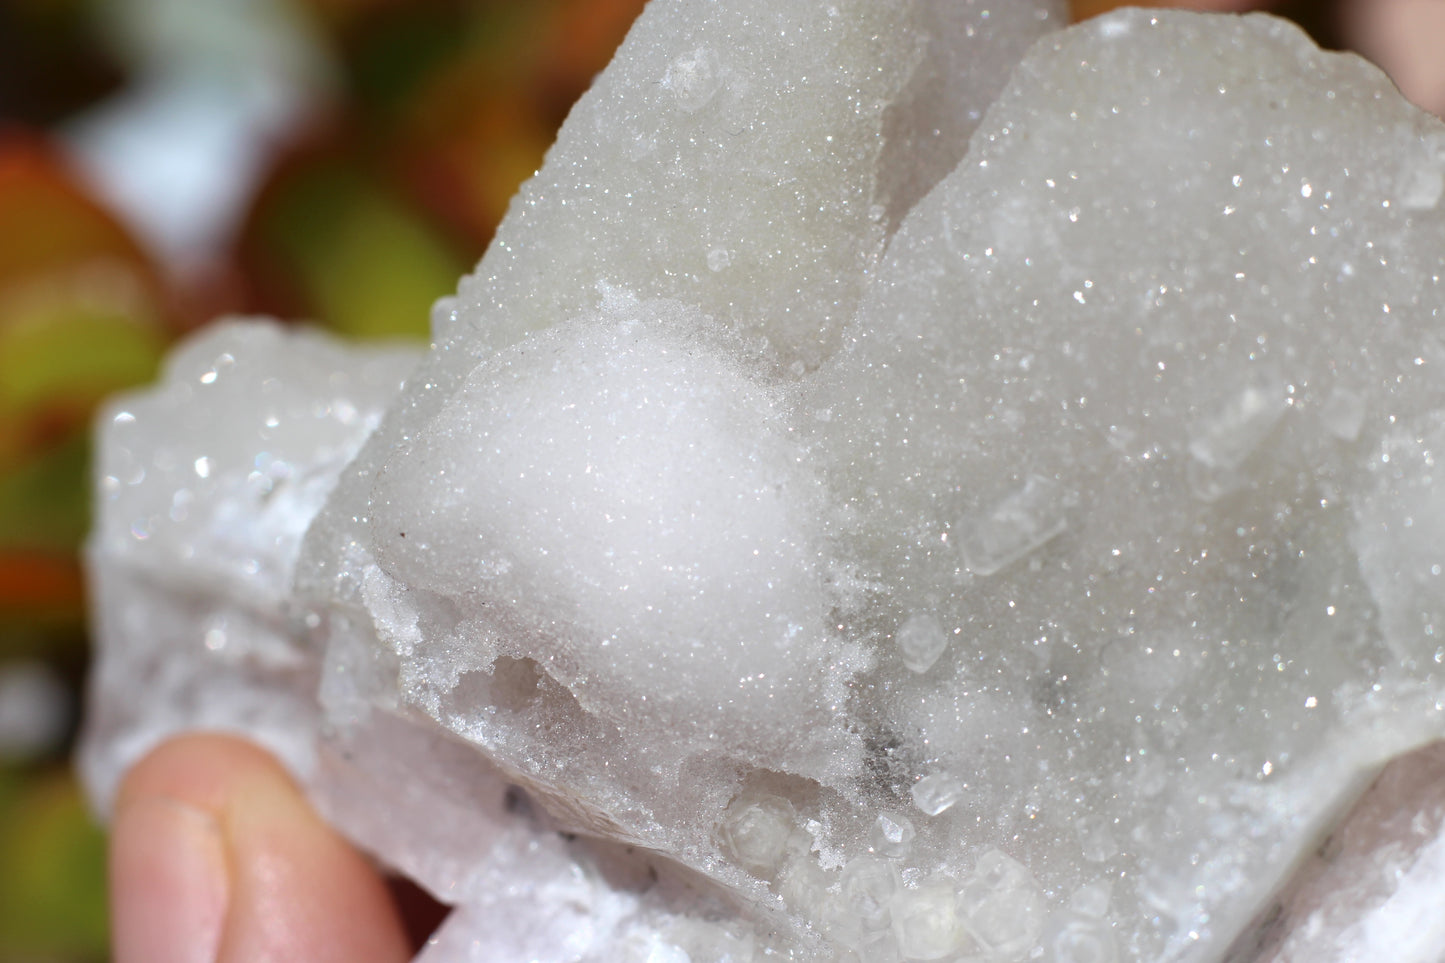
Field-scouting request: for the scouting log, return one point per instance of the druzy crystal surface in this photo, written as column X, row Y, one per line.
column 906, row 483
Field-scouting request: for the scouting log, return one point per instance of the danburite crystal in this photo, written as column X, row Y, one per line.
column 893, row 834
column 782, row 470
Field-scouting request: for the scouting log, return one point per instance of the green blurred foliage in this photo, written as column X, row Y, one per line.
column 52, row 887
column 45, row 502
column 74, row 350
column 352, row 253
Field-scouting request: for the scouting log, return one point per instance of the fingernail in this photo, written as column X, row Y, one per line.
column 168, row 881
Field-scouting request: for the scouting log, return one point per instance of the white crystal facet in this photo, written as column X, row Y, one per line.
column 936, row 793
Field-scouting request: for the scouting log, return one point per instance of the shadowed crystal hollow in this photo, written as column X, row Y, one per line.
column 906, row 483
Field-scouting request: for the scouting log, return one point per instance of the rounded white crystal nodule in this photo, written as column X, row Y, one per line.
column 693, row 79
column 921, row 641
column 925, row 921
column 1002, row 906
column 755, row 831
column 1084, row 941
column 868, row 885
column 1091, row 900
column 1095, row 839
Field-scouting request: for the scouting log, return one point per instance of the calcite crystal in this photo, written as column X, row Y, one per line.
column 907, row 483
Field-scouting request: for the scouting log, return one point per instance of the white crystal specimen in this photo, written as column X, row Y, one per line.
column 835, row 430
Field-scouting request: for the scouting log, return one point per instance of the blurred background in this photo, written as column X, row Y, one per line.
column 339, row 161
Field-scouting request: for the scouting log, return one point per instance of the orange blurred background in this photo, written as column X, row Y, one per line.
column 341, row 161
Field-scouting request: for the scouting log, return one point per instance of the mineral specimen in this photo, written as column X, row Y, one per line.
column 870, row 503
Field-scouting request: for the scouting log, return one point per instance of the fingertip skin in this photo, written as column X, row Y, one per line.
column 170, row 882
column 206, row 770
column 217, row 856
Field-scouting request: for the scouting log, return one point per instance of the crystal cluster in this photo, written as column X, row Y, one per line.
column 908, row 482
